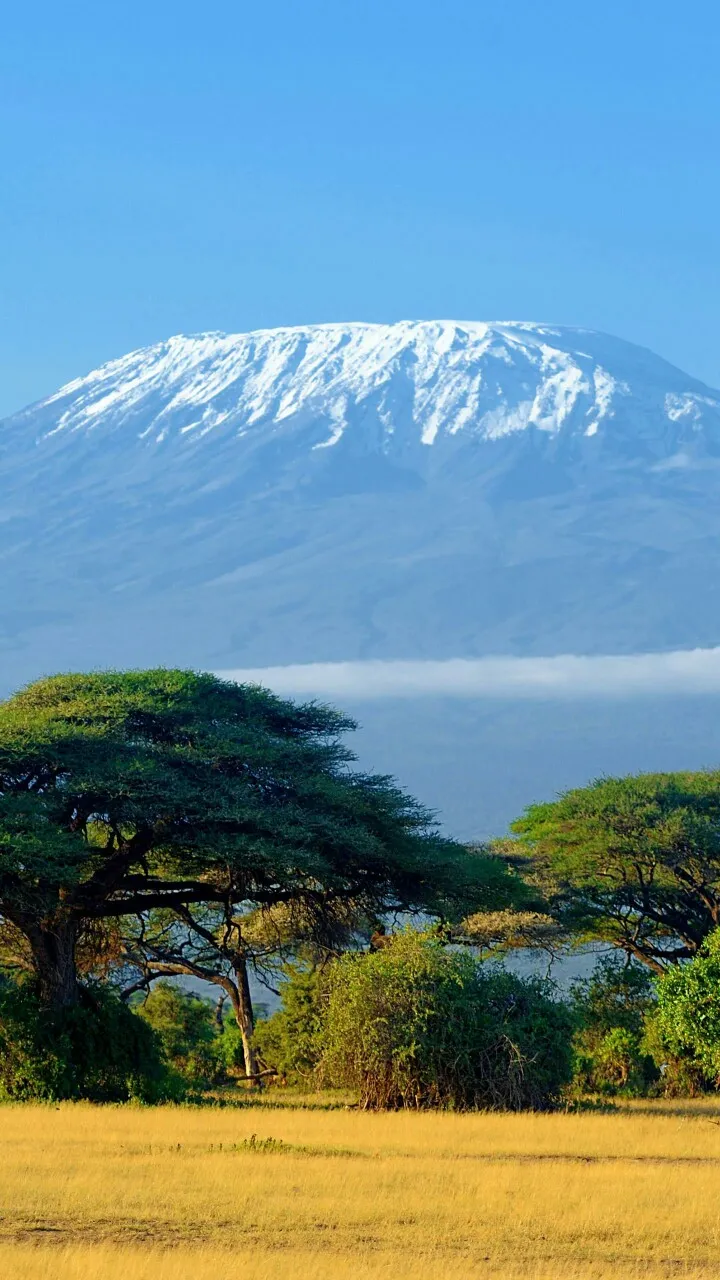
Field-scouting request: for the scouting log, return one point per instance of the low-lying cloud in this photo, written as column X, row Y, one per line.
column 683, row 671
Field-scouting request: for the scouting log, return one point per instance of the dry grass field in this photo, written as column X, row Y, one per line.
column 201, row 1194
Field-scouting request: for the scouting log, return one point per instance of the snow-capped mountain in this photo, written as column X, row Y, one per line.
column 389, row 388
column 431, row 489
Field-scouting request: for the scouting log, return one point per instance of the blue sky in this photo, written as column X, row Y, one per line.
column 177, row 167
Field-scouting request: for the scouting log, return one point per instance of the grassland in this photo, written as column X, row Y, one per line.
column 173, row 1194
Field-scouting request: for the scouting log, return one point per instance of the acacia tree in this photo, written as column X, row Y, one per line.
column 634, row 862
column 220, row 944
column 124, row 793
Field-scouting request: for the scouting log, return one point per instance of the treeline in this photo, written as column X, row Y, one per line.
column 161, row 825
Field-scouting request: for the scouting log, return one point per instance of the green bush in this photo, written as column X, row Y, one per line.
column 185, row 1026
column 97, row 1050
column 289, row 1041
column 418, row 1025
column 611, row 1008
column 681, row 1075
column 686, row 1027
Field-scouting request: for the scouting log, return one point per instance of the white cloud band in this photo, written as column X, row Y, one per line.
column 565, row 676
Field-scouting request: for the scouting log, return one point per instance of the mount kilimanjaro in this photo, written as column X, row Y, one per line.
column 352, row 491
column 417, row 490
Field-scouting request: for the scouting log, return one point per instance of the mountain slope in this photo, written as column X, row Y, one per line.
column 427, row 489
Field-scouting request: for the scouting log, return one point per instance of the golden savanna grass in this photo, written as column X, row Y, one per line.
column 173, row 1194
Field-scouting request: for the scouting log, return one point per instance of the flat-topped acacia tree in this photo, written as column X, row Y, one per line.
column 124, row 792
column 633, row 862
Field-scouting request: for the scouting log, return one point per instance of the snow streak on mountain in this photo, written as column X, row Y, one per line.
column 331, row 492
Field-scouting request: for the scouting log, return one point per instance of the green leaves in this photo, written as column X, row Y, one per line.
column 688, row 1016
column 417, row 1024
column 611, row 1009
column 289, row 1041
column 122, row 792
column 96, row 1050
column 634, row 861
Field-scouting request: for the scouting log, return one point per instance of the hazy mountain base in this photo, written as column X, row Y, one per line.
column 442, row 573
column 480, row 762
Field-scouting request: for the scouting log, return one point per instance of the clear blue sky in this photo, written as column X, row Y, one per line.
column 173, row 167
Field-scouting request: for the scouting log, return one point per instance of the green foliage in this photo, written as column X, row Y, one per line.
column 632, row 861
column 97, row 1050
column 418, row 1025
column 687, row 1023
column 122, row 792
column 185, row 1026
column 611, row 1008
column 289, row 1041
column 230, row 1049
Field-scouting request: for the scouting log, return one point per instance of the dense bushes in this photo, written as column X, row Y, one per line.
column 638, row 1034
column 418, row 1025
column 611, row 1010
column 169, row 1045
column 96, row 1049
column 290, row 1041
column 186, row 1028
column 202, row 1045
column 686, row 1028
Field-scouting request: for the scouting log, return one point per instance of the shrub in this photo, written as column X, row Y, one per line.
column 289, row 1041
column 611, row 1008
column 185, row 1026
column 418, row 1025
column 97, row 1050
column 686, row 1027
column 681, row 1075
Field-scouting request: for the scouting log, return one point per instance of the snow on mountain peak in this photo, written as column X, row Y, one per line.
column 409, row 384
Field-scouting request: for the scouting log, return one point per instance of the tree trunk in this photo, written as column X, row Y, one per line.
column 219, row 1010
column 244, row 1016
column 53, row 948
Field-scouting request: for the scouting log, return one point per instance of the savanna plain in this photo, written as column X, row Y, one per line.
column 321, row 1191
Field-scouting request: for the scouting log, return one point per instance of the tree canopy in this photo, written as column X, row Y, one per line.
column 631, row 861
column 126, row 792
